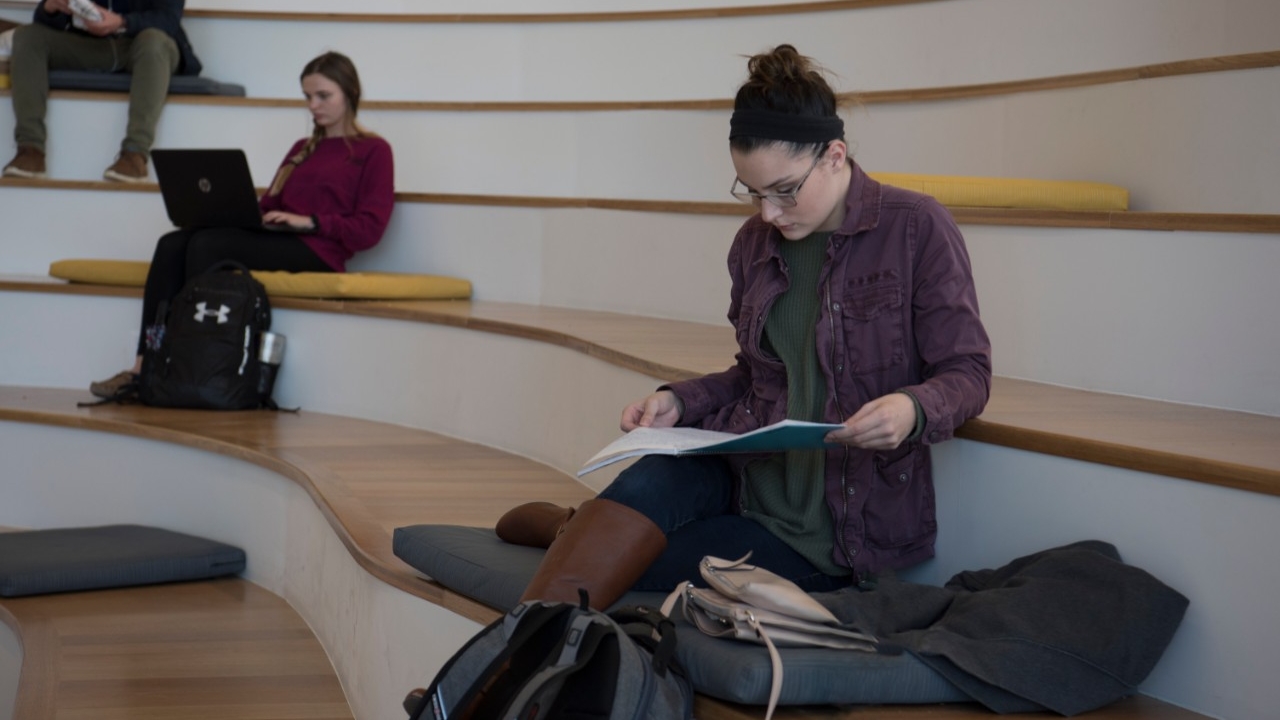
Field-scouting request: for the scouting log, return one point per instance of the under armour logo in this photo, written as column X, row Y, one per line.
column 221, row 313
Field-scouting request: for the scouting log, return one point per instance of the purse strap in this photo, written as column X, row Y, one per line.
column 775, row 659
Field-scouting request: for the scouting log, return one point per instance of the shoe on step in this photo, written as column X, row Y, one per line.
column 28, row 163
column 130, row 166
column 108, row 388
column 536, row 524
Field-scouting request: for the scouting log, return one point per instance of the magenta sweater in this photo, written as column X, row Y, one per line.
column 348, row 184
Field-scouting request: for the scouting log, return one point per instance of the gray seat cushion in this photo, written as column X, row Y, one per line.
column 475, row 563
column 35, row 562
column 119, row 82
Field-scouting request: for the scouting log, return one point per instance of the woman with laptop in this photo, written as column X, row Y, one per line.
column 336, row 188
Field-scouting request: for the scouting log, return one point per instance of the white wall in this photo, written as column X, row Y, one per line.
column 920, row 45
column 1212, row 544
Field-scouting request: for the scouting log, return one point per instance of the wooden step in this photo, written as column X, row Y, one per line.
column 221, row 648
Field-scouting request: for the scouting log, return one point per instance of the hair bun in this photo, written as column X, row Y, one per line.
column 785, row 81
column 783, row 64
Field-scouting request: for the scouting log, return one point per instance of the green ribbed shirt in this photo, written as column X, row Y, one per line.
column 785, row 492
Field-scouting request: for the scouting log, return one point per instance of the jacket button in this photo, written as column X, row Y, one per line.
column 836, row 307
column 840, row 367
column 902, row 477
column 852, row 491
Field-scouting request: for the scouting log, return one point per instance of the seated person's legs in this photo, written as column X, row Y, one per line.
column 152, row 59
column 730, row 537
column 691, row 499
column 165, row 277
column 652, row 526
column 255, row 249
column 612, row 540
column 36, row 50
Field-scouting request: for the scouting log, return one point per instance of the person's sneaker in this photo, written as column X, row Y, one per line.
column 130, row 166
column 110, row 387
column 28, row 163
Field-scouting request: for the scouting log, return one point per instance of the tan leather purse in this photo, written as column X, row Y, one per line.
column 745, row 602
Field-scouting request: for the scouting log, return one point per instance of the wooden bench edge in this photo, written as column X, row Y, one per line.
column 347, row 522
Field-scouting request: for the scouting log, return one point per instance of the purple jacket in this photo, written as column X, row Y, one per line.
column 899, row 312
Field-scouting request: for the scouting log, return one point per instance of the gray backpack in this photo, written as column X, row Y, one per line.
column 556, row 661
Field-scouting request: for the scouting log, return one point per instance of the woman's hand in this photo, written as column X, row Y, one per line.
column 881, row 424
column 660, row 410
column 301, row 222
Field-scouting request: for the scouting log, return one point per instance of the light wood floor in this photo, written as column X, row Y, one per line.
column 187, row 651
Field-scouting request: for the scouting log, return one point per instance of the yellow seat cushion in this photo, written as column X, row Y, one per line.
column 1025, row 194
column 351, row 286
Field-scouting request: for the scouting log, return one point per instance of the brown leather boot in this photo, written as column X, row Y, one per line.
column 536, row 524
column 604, row 550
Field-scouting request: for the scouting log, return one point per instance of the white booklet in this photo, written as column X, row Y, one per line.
column 786, row 435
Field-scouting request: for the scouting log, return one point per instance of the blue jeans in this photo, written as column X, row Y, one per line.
column 691, row 500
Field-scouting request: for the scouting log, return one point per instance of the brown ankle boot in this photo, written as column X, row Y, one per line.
column 604, row 550
column 536, row 524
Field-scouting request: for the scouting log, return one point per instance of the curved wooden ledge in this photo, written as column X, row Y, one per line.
column 1218, row 447
column 1222, row 63
column 1129, row 220
column 366, row 477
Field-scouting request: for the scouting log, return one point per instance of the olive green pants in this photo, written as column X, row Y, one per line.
column 151, row 58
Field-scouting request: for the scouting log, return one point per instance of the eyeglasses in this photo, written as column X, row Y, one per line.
column 782, row 199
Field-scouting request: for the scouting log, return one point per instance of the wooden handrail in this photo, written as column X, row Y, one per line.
column 1168, row 221
column 1196, row 66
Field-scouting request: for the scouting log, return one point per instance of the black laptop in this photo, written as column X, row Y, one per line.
column 209, row 188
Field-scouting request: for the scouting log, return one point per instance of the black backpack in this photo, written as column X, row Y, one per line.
column 560, row 661
column 203, row 350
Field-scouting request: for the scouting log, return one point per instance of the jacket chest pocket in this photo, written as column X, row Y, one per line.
column 874, row 325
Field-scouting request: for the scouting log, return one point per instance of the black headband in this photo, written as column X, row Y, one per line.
column 773, row 125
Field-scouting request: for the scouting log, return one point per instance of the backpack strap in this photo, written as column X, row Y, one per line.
column 581, row 640
column 529, row 619
column 651, row 629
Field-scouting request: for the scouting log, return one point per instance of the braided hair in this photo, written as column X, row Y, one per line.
column 336, row 67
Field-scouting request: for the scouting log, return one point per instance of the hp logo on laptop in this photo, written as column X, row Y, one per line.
column 204, row 185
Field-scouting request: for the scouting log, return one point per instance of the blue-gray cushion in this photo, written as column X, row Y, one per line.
column 35, row 562
column 471, row 561
column 119, row 82
column 475, row 563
